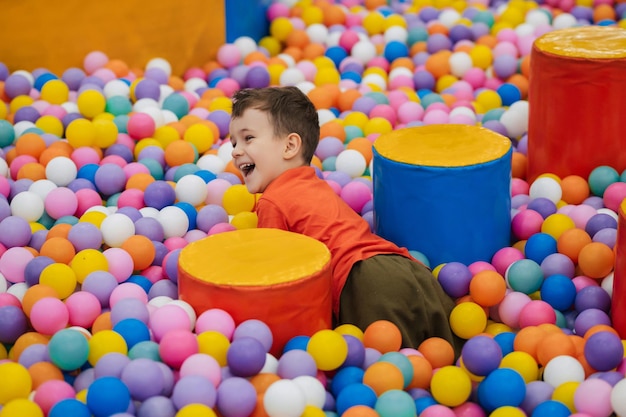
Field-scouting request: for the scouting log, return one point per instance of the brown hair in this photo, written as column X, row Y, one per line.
column 289, row 109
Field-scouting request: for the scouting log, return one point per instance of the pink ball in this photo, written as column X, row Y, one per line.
column 215, row 191
column 217, row 320
column 335, row 186
column 203, row 365
column 94, row 60
column 133, row 168
column 519, row 186
column 18, row 162
column 469, row 409
column 167, row 318
column 347, row 39
column 228, row 55
column 120, row 263
column 437, row 410
column 581, row 215
column 54, row 110
column 478, row 266
column 582, row 281
column 506, row 35
column 504, row 257
column 493, row 83
column 127, row 290
column 505, row 48
column 593, row 396
column 124, row 139
column 380, row 62
column 410, row 112
column 85, row 155
column 613, row 195
column 114, row 159
column 175, row 242
column 51, row 392
column 140, row 125
column 5, row 187
column 536, row 312
column 396, row 99
column 525, row 44
column 221, row 227
column 526, row 223
column 436, row 116
column 476, row 77
column 462, row 119
column 307, row 68
column 105, row 74
column 385, row 111
column 401, row 81
column 49, row 315
column 154, row 273
column 87, row 198
column 61, row 201
column 277, row 10
column 510, row 308
column 132, row 197
column 228, row 86
column 7, row 299
column 356, row 194
column 83, row 308
column 176, row 346
column 194, row 72
column 13, row 262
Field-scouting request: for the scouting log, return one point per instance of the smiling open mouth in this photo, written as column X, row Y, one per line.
column 246, row 169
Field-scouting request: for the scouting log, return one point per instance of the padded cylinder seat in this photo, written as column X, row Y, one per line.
column 618, row 307
column 444, row 190
column 278, row 277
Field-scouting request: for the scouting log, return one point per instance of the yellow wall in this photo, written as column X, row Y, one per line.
column 59, row 34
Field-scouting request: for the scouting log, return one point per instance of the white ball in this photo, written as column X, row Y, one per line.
column 4, row 168
column 195, row 83
column 245, row 44
column 291, row 76
column 537, row 18
column 156, row 114
column 306, row 86
column 351, row 162
column 396, row 33
column 161, row 63
column 4, row 284
column 270, row 366
column 325, row 116
column 212, row 163
column 546, row 187
column 225, row 152
column 145, row 103
column 333, row 38
column 149, row 212
column 460, row 63
column 449, row 17
column 116, row 228
column 363, row 51
column 42, row 188
column 189, row 310
column 515, row 119
column 400, row 71
column 561, row 369
column 317, row 33
column 465, row 111
column 18, row 289
column 165, row 92
column 607, row 283
column 70, row 107
column 604, row 210
column 314, row 391
column 116, row 88
column 20, row 127
column 564, row 21
column 191, row 189
column 618, row 398
column 168, row 116
column 174, row 221
column 375, row 79
column 61, row 170
column 160, row 301
column 28, row 206
column 525, row 29
column 284, row 398
column 288, row 59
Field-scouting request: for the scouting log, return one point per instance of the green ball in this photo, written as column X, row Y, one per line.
column 68, row 349
column 600, row 178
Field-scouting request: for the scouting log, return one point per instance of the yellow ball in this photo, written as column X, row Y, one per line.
column 280, row 28
column 245, row 220
column 356, row 118
column 494, row 328
column 103, row 342
column 489, row 99
column 221, row 103
column 94, row 217
column 4, row 110
column 350, row 329
column 145, row 142
column 3, row 352
column 50, row 124
column 91, row 103
column 312, row 411
column 80, row 132
column 378, row 125
column 105, row 133
column 19, row 102
column 215, row 344
column 557, row 223
column 468, row 319
column 450, row 386
column 55, row 92
column 481, row 56
column 565, row 394
column 374, row 23
column 394, row 20
column 196, row 410
column 21, row 407
column 275, row 71
column 328, row 348
column 271, row 44
column 445, row 82
column 312, row 15
column 237, row 198
column 507, row 411
column 15, row 382
column 165, row 135
column 87, row 261
column 326, row 75
column 60, row 277
column 199, row 135
column 523, row 363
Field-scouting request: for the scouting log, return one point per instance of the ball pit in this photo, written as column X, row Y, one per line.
column 109, row 171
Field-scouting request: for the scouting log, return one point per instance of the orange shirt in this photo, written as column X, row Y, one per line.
column 300, row 202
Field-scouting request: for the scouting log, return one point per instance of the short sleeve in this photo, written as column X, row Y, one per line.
column 270, row 215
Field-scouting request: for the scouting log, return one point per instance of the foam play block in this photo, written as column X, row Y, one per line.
column 576, row 101
column 618, row 301
column 444, row 190
column 278, row 277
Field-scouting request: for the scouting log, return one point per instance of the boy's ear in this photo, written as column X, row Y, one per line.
column 293, row 146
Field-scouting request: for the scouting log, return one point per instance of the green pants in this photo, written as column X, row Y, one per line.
column 400, row 290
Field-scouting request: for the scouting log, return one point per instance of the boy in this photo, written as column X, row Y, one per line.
column 275, row 132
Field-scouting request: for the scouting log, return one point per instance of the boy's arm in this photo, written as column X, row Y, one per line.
column 270, row 215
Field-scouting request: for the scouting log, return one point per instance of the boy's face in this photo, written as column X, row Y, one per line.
column 257, row 153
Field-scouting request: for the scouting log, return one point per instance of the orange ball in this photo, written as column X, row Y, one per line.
column 333, row 15
column 119, row 67
column 579, row 343
column 59, row 249
column 527, row 339
column 320, row 98
column 438, row 64
column 363, row 146
column 36, row 293
column 347, row 98
column 382, row 335
column 553, row 345
column 360, row 411
column 383, row 376
column 521, row 82
column 297, row 38
column 519, row 163
column 333, row 128
column 33, row 171
column 102, row 322
column 59, row 230
column 599, row 328
column 41, row 372
column 313, row 50
column 30, row 144
column 487, row 288
column 141, row 250
column 25, row 340
column 422, row 372
column 262, row 381
column 180, row 152
column 575, row 189
column 571, row 242
column 139, row 181
column 596, row 260
column 438, row 351
column 603, row 12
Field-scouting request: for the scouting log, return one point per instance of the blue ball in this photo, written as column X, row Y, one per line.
column 296, row 342
column 551, row 408
column 345, row 377
column 336, row 54
column 539, row 246
column 506, row 341
column 355, row 394
column 423, row 403
column 559, row 291
column 395, row 403
column 108, row 395
column 509, row 93
column 502, row 387
column 177, row 104
column 394, row 50
column 69, row 407
column 133, row 331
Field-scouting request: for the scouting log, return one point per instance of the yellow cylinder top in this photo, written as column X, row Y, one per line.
column 592, row 42
column 447, row 145
column 254, row 257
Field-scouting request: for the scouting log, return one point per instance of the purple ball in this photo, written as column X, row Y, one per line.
column 26, row 113
column 340, row 177
column 84, row 379
column 329, row 146
column 592, row 297
column 37, row 352
column 101, row 284
column 438, row 42
column 519, row 200
column 594, row 201
column 150, row 228
column 111, row 364
column 356, row 352
column 130, row 212
column 148, row 88
column 5, row 208
column 246, row 356
column 170, row 267
column 238, row 73
column 127, row 308
column 230, row 177
column 168, row 378
column 296, row 363
column 496, row 126
column 92, row 80
column 110, row 179
column 371, row 356
column 4, row 71
column 210, row 215
column 14, row 231
column 163, row 287
column 85, row 235
column 120, row 150
column 364, row 104
column 459, row 33
column 428, row 13
column 256, row 329
column 192, row 389
column 598, row 222
column 19, row 186
column 480, row 29
column 504, row 66
column 38, row 239
column 73, row 77
column 424, row 80
column 32, row 270
column 481, row 355
column 455, row 279
column 154, row 153
column 161, row 252
column 543, row 206
column 257, row 77
column 588, row 318
column 236, row 397
column 221, row 119
column 537, row 392
column 16, row 85
column 607, row 236
column 144, row 378
column 612, row 377
column 159, row 194
column 604, row 351
column 557, row 263
column 81, row 183
column 157, row 406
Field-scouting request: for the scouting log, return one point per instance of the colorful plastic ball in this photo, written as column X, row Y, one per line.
column 217, row 320
column 525, row 276
column 487, row 288
column 593, row 396
column 236, row 397
column 15, row 382
column 502, row 387
column 395, row 403
column 558, row 291
column 284, row 398
column 604, row 351
column 14, row 323
column 22, row 407
column 104, row 342
column 176, row 346
column 107, row 396
column 455, row 277
column 563, row 369
column 450, row 386
column 468, row 319
column 328, row 348
column 382, row 335
column 355, row 394
column 49, row 315
column 600, row 178
column 144, row 379
column 481, row 355
column 132, row 330
column 256, row 329
column 536, row 312
column 618, row 397
column 503, row 258
column 526, row 223
column 246, row 356
column 296, row 362
column 592, row 297
column 314, row 390
column 69, row 407
column 52, row 391
column 349, row 375
column 596, row 260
